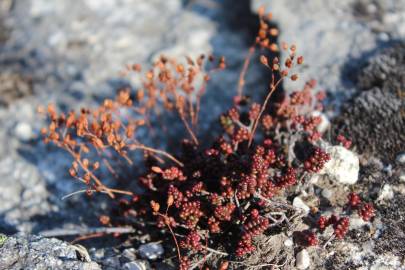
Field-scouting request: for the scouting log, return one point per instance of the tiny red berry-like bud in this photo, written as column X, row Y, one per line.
column 322, row 222
column 316, row 161
column 294, row 77
column 354, row 199
column 341, row 227
column 367, row 211
column 254, row 213
column 311, row 239
column 300, row 60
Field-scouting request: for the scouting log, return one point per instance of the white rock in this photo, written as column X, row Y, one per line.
column 401, row 158
column 326, row 193
column 343, row 165
column 151, row 251
column 299, row 203
column 289, row 242
column 325, row 123
column 303, row 261
column 23, row 131
column 386, row 193
column 315, row 178
column 402, row 178
column 356, row 223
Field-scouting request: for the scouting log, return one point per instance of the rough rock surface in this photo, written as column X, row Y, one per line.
column 343, row 165
column 35, row 253
column 375, row 118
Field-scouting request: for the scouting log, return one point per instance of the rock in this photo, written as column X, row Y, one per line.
column 23, row 131
column 23, row 193
column 327, row 194
column 136, row 265
column 343, row 166
column 381, row 82
column 289, row 242
column 112, row 262
column 129, row 254
column 401, row 158
column 386, row 193
column 35, row 253
column 357, row 223
column 303, row 261
column 299, row 203
column 151, row 251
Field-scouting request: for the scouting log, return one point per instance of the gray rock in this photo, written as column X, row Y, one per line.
column 381, row 99
column 151, row 251
column 129, row 254
column 401, row 158
column 23, row 131
column 136, row 265
column 35, row 253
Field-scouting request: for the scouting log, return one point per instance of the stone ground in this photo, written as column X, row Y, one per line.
column 53, row 51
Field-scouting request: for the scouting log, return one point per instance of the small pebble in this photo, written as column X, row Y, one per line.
column 151, row 251
column 129, row 254
column 303, row 261
column 386, row 193
column 289, row 242
column 23, row 131
column 326, row 193
column 299, row 203
column 401, row 158
column 136, row 265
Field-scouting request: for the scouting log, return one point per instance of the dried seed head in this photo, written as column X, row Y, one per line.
column 264, row 60
column 156, row 169
column 170, row 200
column 294, row 77
column 155, row 206
column 273, row 32
column 300, row 60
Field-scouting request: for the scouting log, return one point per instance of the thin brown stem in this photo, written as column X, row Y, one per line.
column 189, row 130
column 263, row 108
column 156, row 151
column 246, row 63
column 175, row 241
column 95, row 179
